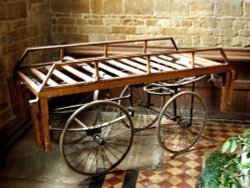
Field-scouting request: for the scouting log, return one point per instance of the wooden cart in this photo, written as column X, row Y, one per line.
column 122, row 63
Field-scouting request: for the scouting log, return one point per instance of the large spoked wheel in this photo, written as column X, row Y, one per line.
column 97, row 137
column 181, row 122
column 143, row 107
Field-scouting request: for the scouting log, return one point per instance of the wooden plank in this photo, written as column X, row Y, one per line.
column 62, row 76
column 201, row 61
column 32, row 85
column 92, row 71
column 183, row 62
column 112, row 70
column 130, row 80
column 135, row 64
column 77, row 73
column 42, row 77
column 168, row 63
column 242, row 84
column 155, row 65
column 125, row 67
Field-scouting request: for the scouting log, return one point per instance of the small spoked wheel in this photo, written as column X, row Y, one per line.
column 104, row 134
column 143, row 107
column 181, row 122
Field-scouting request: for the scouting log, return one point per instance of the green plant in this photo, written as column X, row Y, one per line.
column 224, row 168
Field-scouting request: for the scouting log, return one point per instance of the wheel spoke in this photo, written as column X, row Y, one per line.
column 181, row 122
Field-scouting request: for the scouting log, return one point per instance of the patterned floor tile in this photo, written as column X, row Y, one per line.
column 180, row 171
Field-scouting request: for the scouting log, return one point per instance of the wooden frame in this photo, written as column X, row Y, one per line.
column 52, row 79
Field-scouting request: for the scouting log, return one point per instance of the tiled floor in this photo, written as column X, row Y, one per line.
column 183, row 170
column 28, row 166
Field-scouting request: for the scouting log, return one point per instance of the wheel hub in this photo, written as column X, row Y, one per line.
column 98, row 139
column 184, row 122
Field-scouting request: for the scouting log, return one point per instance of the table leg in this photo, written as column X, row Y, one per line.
column 44, row 119
column 34, row 111
column 227, row 91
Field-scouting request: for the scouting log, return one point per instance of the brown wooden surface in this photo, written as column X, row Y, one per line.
column 107, row 71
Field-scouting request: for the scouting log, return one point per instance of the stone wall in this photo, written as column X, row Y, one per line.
column 190, row 22
column 23, row 23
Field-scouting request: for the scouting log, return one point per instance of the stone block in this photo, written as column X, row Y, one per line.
column 66, row 21
column 224, row 24
column 230, row 32
column 3, row 12
column 115, row 37
column 177, row 8
column 70, row 29
column 228, row 8
column 201, row 7
column 96, row 37
column 153, row 30
column 59, row 38
column 94, row 29
column 135, row 21
column 196, row 40
column 9, row 48
column 151, row 22
column 96, row 6
column 207, row 22
column 139, row 6
column 80, row 22
column 240, row 41
column 209, row 41
column 76, row 6
column 123, row 29
column 245, row 33
column 225, row 41
column 172, row 31
column 246, row 8
column 16, row 10
column 112, row 7
column 113, row 21
column 186, row 23
column 239, row 24
column 95, row 22
column 36, row 1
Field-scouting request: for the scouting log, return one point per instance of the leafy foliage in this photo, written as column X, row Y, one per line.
column 222, row 168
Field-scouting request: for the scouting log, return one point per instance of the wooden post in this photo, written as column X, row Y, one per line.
column 193, row 60
column 44, row 121
column 227, row 91
column 148, row 65
column 105, row 50
column 145, row 46
column 61, row 51
column 34, row 111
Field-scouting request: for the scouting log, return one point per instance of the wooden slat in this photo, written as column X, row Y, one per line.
column 62, row 76
column 202, row 62
column 33, row 86
column 41, row 76
column 135, row 64
column 185, row 63
column 92, row 71
column 125, row 67
column 77, row 73
column 170, row 64
column 155, row 65
column 112, row 70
